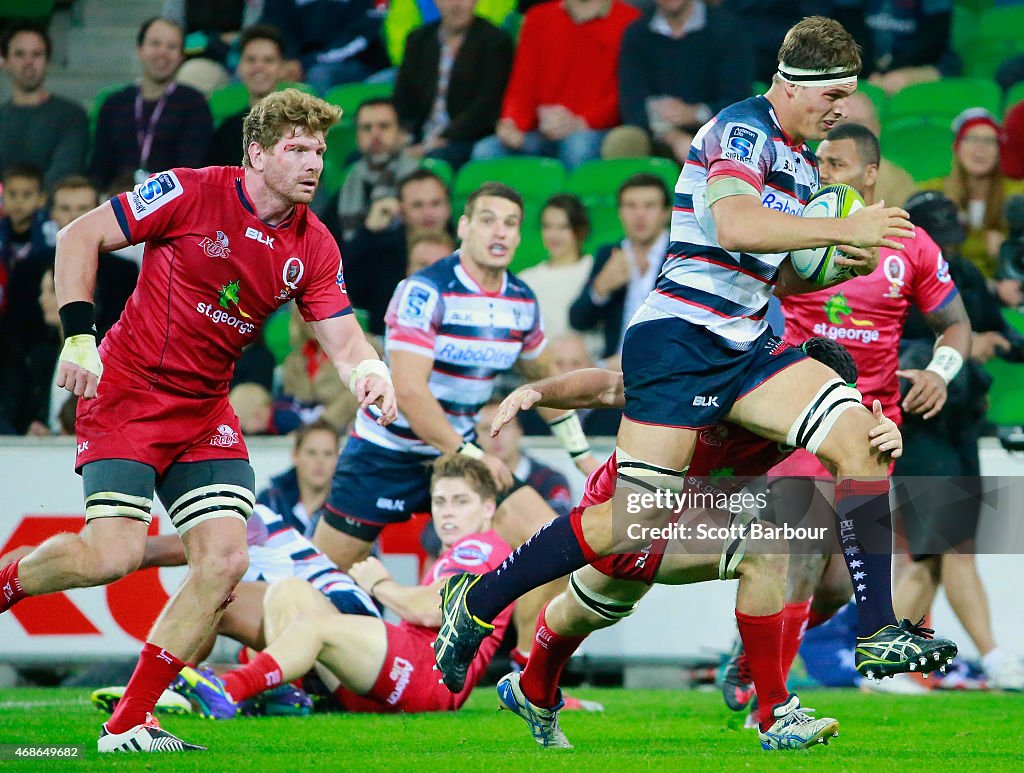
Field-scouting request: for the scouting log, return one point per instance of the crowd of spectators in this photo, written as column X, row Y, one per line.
column 570, row 79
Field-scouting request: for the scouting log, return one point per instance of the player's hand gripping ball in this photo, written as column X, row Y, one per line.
column 818, row 264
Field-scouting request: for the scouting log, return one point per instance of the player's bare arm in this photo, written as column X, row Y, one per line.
column 587, row 388
column 426, row 417
column 743, row 225
column 78, row 247
column 564, row 424
column 416, row 605
column 357, row 364
column 928, row 389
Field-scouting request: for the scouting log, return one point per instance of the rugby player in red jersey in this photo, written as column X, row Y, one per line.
column 225, row 247
column 866, row 314
column 374, row 666
column 608, row 590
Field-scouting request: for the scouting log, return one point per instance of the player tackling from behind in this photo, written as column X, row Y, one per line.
column 699, row 351
column 225, row 247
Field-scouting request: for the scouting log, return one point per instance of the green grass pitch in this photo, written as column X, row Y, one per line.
column 640, row 730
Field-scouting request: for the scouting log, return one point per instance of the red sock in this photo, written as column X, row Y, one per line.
column 762, row 641
column 518, row 657
column 794, row 626
column 10, row 586
column 548, row 656
column 259, row 674
column 154, row 671
column 816, row 618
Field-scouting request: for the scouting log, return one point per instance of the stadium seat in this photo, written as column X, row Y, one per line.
column 341, row 143
column 441, row 168
column 97, row 104
column 234, row 98
column 275, row 334
column 349, row 96
column 597, row 182
column 605, row 227
column 1014, row 95
column 922, row 146
column 531, row 247
column 757, row 88
column 1005, row 22
column 1005, row 405
column 877, row 96
column 984, row 56
column 944, row 99
column 534, row 177
column 38, row 11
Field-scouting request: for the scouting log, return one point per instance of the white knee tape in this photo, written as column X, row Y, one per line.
column 819, row 416
column 113, row 504
column 601, row 605
column 645, row 475
column 734, row 548
column 219, row 500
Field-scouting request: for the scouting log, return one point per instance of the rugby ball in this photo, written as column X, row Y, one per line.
column 818, row 264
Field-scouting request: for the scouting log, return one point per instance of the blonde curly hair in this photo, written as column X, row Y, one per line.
column 283, row 112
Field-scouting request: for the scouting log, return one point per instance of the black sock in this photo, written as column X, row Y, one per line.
column 552, row 552
column 864, row 520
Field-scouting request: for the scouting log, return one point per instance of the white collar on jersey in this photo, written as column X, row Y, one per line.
column 829, row 76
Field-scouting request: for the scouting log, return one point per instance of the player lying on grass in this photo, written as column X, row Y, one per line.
column 276, row 552
column 375, row 666
column 608, row 590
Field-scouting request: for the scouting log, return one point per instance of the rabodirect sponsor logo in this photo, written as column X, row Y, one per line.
column 221, row 317
column 779, row 204
column 490, row 356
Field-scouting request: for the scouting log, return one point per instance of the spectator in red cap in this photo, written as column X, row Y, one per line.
column 979, row 188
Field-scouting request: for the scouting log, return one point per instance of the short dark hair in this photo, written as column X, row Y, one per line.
column 867, row 143
column 644, row 180
column 144, row 28
column 816, row 43
column 473, row 471
column 26, row 26
column 261, row 32
column 320, row 425
column 24, row 172
column 74, row 182
column 376, row 102
column 498, row 190
column 574, row 211
column 419, row 175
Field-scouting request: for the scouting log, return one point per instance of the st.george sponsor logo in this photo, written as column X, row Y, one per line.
column 865, row 335
column 401, row 675
column 491, row 356
column 221, row 317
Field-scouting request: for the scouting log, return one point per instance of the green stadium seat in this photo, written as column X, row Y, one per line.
column 597, row 182
column 605, row 227
column 349, row 96
column 1004, row 396
column 534, row 177
column 1003, row 23
column 1014, row 95
column 38, row 11
column 944, row 99
column 275, row 333
column 985, row 56
column 757, row 88
column 877, row 96
column 234, row 98
column 97, row 103
column 531, row 247
column 441, row 168
column 922, row 146
column 341, row 142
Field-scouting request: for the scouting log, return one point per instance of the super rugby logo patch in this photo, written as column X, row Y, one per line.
column 742, row 143
column 153, row 193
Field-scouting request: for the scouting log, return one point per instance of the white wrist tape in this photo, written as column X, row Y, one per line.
column 569, row 432
column 946, row 361
column 471, row 450
column 368, row 368
column 81, row 350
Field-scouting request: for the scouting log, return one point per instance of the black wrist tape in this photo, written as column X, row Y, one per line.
column 78, row 318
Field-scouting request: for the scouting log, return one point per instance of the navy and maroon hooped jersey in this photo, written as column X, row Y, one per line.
column 212, row 272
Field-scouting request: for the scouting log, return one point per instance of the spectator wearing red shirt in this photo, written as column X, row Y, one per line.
column 563, row 93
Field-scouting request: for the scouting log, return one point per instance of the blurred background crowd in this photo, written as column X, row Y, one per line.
column 588, row 107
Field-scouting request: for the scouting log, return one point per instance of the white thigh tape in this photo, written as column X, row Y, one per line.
column 816, row 420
